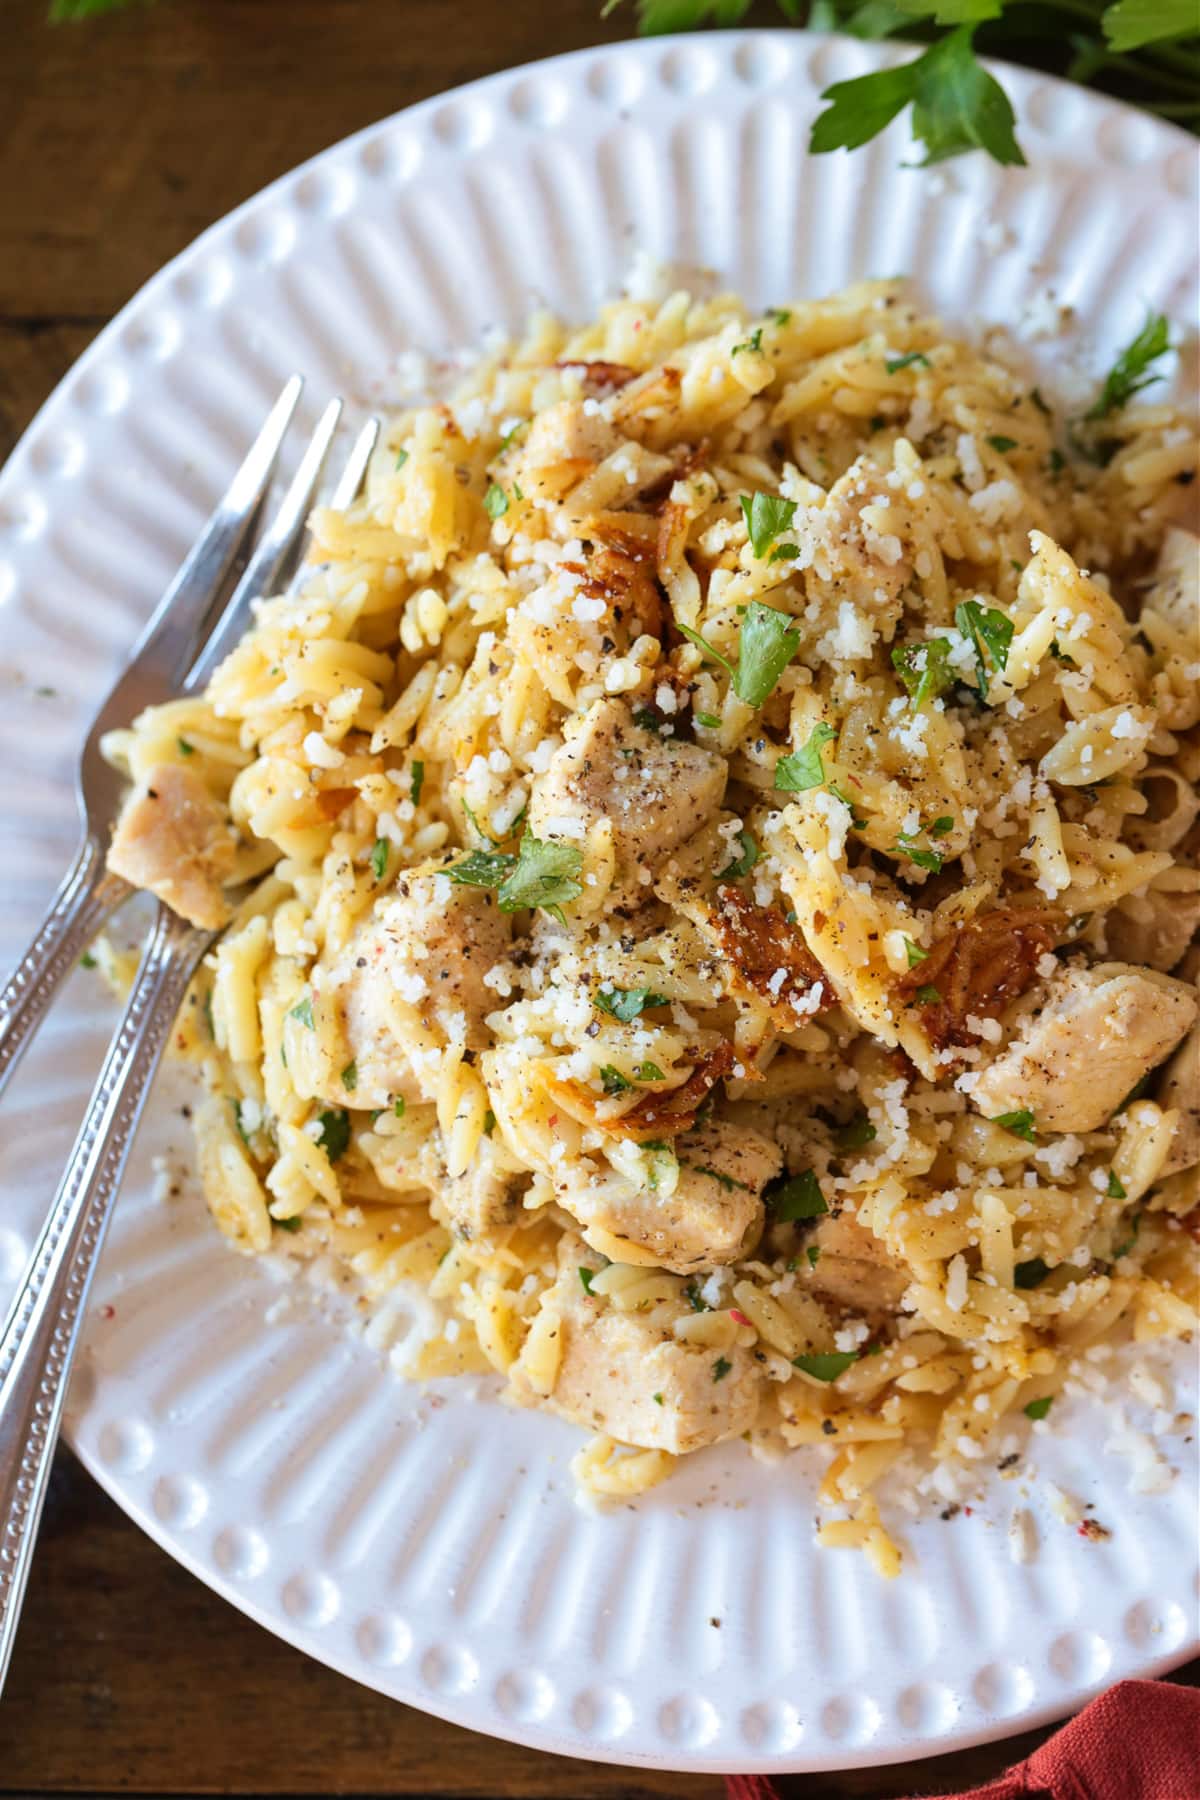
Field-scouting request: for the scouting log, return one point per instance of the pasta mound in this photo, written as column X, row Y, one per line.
column 712, row 837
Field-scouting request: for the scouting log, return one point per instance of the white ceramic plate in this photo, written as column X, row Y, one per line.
column 429, row 1544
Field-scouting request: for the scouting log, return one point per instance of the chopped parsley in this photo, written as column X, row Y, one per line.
column 784, row 553
column 613, row 1082
column 894, row 364
column 489, row 1122
column 1135, row 1225
column 804, row 769
column 780, row 315
column 334, row 1135
column 928, row 995
column 379, row 858
column 710, row 721
column 1056, row 462
column 1134, row 368
column 416, row 783
column 718, row 1175
column 753, row 342
column 1002, row 444
column 303, row 1012
column 399, row 1106
column 657, row 1399
column 649, row 1071
column 1114, row 1190
column 858, row 1132
column 721, row 1368
column 540, row 875
column 813, row 1254
column 914, row 953
column 185, row 749
column 627, row 1004
column 1020, row 1124
column 797, row 1197
column 767, row 517
column 695, row 1299
column 350, row 1077
column 1037, row 1409
column 924, row 859
column 742, row 865
column 401, row 458
column 292, row 1224
column 87, row 960
column 924, row 670
column 767, row 642
column 587, row 1276
column 941, row 827
column 825, row 1365
column 495, row 502
column 1030, row 1274
column 991, row 634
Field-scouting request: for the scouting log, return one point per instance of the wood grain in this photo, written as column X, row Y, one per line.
column 120, row 140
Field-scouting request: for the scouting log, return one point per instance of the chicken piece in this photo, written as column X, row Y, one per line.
column 1180, row 1088
column 1093, row 1035
column 853, row 1268
column 565, row 442
column 1176, row 590
column 1153, row 929
column 484, row 1199
column 173, row 838
column 654, row 792
column 713, row 1217
column 429, row 945
column 625, row 1374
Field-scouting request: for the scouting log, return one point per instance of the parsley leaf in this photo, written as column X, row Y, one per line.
column 702, row 643
column 1037, row 1409
column 399, row 1106
column 914, row 953
column 335, row 1132
column 894, row 364
column 924, row 859
column 799, row 1197
column 649, row 1071
column 825, row 1365
column 303, row 1011
column 379, row 858
column 1131, row 23
column 1114, row 1190
column 857, row 1133
column 990, row 632
column 627, row 1004
column 482, row 868
column 710, row 721
column 1030, row 1274
column 495, row 502
column 613, row 1082
column 766, row 645
column 928, row 995
column 401, row 458
column 721, row 1368
column 1132, row 370
column 185, row 749
column 1020, row 1124
column 958, row 106
column 416, row 783
column 587, row 1276
column 1002, row 444
column 813, row 1254
column 350, row 1077
column 924, row 670
column 1124, row 1249
column 860, row 109
column 545, row 876
column 767, row 517
column 742, row 865
column 797, row 773
column 753, row 342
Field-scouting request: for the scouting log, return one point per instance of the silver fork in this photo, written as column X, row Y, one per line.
column 40, row 1335
column 157, row 670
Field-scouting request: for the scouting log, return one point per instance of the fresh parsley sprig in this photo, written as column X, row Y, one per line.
column 767, row 642
column 540, row 875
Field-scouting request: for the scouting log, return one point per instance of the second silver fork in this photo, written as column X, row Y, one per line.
column 40, row 1335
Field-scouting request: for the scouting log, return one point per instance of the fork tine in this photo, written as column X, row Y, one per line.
column 183, row 617
column 276, row 555
column 350, row 479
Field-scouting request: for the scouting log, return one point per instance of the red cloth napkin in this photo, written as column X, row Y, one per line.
column 1138, row 1741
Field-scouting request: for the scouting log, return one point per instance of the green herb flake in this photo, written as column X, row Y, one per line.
column 401, row 458
column 545, row 876
column 1002, row 445
column 657, row 1399
column 753, row 342
column 695, row 1299
column 1114, row 1190
column 335, row 1132
column 649, row 1071
column 87, row 960
column 1037, row 1409
column 350, row 1077
column 857, row 1133
column 587, row 1276
column 928, row 995
column 482, row 868
column 991, row 634
column 780, row 315
column 798, row 1197
column 924, row 669
column 1134, row 368
column 941, row 827
column 766, row 645
column 292, row 1224
column 379, row 858
column 1030, row 1274
column 399, row 1106
column 1056, row 462
column 894, row 364
column 813, row 1254
column 767, row 517
column 627, row 1004
column 303, row 1012
column 721, row 1368
column 709, row 721
column 804, row 769
column 416, row 783
column 742, row 865
column 710, row 650
column 185, row 749
column 1020, row 1124
column 495, row 502
column 914, row 953
column 825, row 1365
column 613, row 1082
column 924, row 859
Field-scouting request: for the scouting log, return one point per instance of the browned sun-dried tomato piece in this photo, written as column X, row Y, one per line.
column 757, row 941
column 666, row 1115
column 980, row 966
column 601, row 377
column 627, row 587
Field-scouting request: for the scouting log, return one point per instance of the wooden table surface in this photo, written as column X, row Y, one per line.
column 120, row 140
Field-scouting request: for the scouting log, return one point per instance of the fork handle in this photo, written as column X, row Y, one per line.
column 85, row 898
column 40, row 1335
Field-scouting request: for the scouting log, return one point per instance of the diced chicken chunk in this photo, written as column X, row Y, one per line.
column 427, row 946
column 1180, row 1090
column 564, row 444
column 1176, row 590
column 482, row 1200
column 853, row 1268
column 714, row 1216
column 173, row 838
column 1094, row 1036
column 655, row 793
column 625, row 1374
column 1155, row 928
